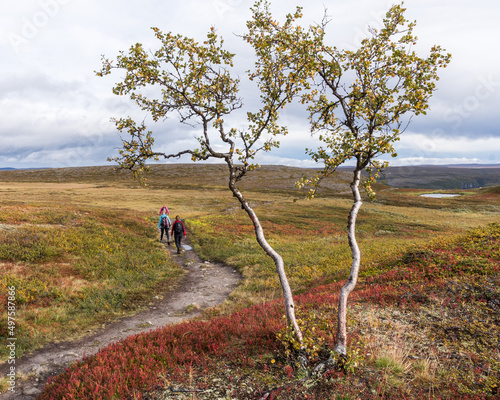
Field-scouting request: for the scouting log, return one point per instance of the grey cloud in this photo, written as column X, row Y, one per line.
column 35, row 84
column 55, row 111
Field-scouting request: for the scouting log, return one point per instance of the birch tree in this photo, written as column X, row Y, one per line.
column 359, row 102
column 196, row 83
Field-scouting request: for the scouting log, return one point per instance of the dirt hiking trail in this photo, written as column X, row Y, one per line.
column 204, row 285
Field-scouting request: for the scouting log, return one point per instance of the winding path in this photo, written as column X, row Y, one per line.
column 204, row 285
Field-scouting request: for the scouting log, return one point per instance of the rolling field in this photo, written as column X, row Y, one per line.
column 80, row 246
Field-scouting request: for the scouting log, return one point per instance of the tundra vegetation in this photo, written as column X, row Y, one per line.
column 423, row 319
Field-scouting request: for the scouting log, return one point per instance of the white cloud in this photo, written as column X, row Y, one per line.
column 434, row 161
column 447, row 145
column 273, row 159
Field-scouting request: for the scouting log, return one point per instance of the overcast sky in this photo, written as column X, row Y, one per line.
column 55, row 112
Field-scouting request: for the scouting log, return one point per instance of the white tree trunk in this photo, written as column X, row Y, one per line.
column 278, row 260
column 340, row 346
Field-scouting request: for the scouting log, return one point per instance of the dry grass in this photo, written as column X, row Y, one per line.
column 393, row 349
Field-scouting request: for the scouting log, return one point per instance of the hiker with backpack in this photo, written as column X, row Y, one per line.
column 164, row 225
column 178, row 231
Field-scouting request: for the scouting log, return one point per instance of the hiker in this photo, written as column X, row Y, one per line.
column 178, row 231
column 164, row 225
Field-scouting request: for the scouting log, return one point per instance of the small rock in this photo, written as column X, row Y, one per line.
column 31, row 391
column 40, row 370
column 70, row 356
column 144, row 325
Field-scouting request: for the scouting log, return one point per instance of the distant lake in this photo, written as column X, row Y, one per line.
column 439, row 195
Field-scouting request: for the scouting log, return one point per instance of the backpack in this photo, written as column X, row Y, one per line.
column 164, row 222
column 178, row 228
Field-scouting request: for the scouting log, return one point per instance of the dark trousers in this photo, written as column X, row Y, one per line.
column 166, row 231
column 178, row 239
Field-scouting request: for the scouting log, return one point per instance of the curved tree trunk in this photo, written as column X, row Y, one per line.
column 278, row 260
column 340, row 346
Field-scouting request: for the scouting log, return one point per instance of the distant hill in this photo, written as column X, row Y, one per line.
column 473, row 166
column 193, row 175
column 443, row 177
column 268, row 177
